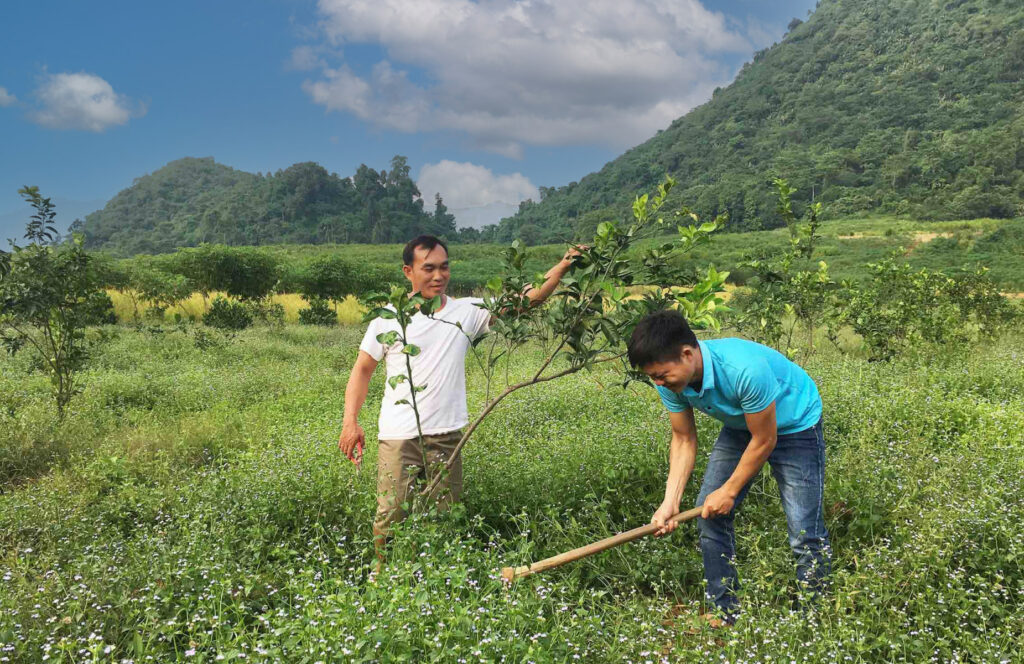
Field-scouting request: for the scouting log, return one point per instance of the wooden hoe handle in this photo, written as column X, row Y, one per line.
column 512, row 573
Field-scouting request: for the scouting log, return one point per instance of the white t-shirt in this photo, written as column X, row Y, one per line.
column 440, row 365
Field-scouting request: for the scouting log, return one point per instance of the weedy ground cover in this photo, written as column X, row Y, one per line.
column 193, row 507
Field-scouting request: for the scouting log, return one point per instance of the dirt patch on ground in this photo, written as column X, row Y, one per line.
column 921, row 238
column 917, row 237
column 1013, row 296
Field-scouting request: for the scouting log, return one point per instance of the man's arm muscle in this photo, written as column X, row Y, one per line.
column 763, row 436
column 681, row 459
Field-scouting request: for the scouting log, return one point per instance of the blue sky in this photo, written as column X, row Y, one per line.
column 488, row 100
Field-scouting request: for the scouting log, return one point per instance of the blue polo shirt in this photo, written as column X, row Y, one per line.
column 742, row 376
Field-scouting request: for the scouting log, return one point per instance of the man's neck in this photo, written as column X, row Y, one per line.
column 698, row 373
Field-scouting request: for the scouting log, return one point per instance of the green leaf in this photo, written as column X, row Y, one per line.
column 411, row 350
column 609, row 330
column 430, row 306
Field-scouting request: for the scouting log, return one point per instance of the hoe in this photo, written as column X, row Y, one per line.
column 510, row 574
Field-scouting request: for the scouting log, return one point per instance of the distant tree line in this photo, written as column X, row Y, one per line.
column 194, row 201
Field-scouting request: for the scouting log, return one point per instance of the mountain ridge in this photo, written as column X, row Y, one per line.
column 912, row 107
column 192, row 200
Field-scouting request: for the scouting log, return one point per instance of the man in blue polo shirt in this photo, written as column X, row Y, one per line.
column 770, row 410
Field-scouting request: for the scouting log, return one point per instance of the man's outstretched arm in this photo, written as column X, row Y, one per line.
column 552, row 277
column 355, row 394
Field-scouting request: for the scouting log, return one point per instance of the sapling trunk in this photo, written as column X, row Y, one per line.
column 430, row 488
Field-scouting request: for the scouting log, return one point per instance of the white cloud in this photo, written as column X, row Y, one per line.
column 82, row 101
column 514, row 72
column 6, row 98
column 473, row 193
column 388, row 99
column 305, row 58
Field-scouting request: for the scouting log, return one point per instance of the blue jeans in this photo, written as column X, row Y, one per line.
column 798, row 464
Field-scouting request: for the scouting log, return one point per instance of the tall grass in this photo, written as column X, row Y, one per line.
column 193, row 507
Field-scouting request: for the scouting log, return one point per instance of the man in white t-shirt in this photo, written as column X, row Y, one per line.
column 440, row 366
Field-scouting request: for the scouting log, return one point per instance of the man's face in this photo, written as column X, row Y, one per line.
column 674, row 374
column 429, row 272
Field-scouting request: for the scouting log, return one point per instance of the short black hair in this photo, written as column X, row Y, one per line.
column 658, row 337
column 428, row 242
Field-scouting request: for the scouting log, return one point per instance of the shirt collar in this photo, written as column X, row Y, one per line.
column 708, row 381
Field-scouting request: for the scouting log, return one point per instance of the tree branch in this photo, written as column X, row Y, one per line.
column 430, row 488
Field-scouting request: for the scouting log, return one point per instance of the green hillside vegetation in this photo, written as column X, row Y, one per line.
column 907, row 107
column 192, row 201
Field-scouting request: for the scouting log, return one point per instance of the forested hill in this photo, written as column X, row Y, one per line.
column 907, row 106
column 191, row 201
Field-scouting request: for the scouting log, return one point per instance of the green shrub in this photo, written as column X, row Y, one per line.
column 327, row 278
column 225, row 314
column 271, row 313
column 901, row 306
column 99, row 310
column 319, row 312
column 247, row 273
column 48, row 295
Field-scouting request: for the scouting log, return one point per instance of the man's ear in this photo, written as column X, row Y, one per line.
column 407, row 271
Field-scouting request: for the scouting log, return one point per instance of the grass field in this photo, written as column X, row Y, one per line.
column 193, row 507
column 847, row 245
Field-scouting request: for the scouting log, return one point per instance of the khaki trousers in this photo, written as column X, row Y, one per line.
column 400, row 470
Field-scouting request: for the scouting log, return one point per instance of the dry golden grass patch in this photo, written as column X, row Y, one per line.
column 350, row 312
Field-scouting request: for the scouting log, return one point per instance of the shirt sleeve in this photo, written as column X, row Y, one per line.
column 756, row 386
column 373, row 348
column 672, row 401
column 478, row 320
